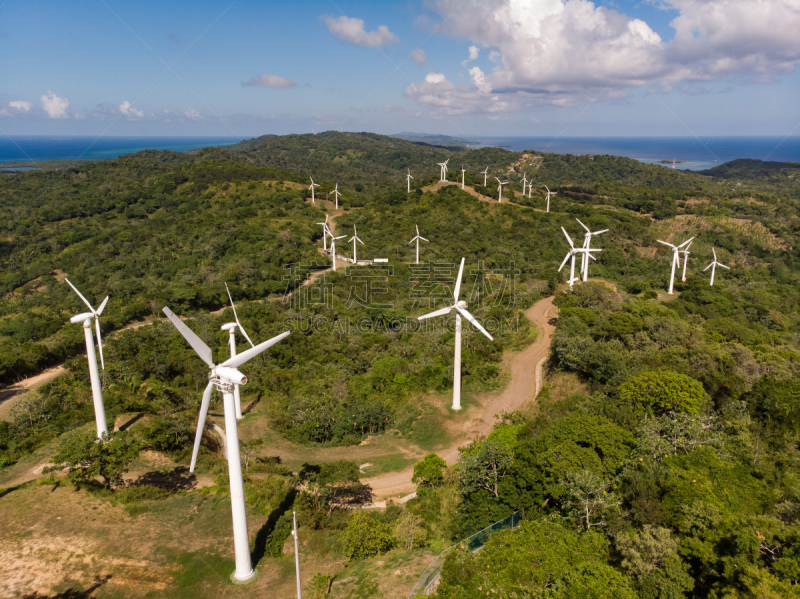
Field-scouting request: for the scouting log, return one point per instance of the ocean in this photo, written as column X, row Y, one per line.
column 689, row 152
column 30, row 148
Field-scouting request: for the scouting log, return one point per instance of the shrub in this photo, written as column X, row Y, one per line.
column 365, row 536
column 657, row 392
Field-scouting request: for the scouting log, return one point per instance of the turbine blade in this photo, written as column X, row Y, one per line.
column 441, row 312
column 707, row 267
column 75, row 289
column 569, row 254
column 723, row 266
column 685, row 242
column 243, row 357
column 599, row 232
column 568, row 237
column 102, row 307
column 417, row 228
column 584, row 226
column 99, row 341
column 715, row 254
column 202, row 350
column 201, row 424
column 471, row 318
column 665, row 243
column 458, row 280
column 423, row 239
column 236, row 317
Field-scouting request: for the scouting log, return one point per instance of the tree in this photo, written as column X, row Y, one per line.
column 590, row 497
column 656, row 392
column 87, row 457
column 483, row 465
column 428, row 473
column 333, row 483
column 366, row 536
column 409, row 530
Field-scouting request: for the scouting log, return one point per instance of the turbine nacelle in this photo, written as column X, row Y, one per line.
column 229, row 374
column 85, row 317
column 461, row 305
column 230, row 327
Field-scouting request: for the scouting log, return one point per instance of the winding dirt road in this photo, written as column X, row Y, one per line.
column 526, row 381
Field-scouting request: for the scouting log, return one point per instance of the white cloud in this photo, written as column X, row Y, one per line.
column 347, row 29
column 55, row 107
column 126, row 110
column 419, row 57
column 473, row 55
column 266, row 80
column 21, row 105
column 192, row 113
column 565, row 52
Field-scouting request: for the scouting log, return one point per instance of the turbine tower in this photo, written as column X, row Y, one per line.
column 418, row 238
column 355, row 239
column 94, row 374
column 333, row 249
column 524, row 183
column 325, row 232
column 500, row 189
column 311, row 187
column 460, row 308
column 549, row 193
column 231, row 328
column 713, row 267
column 408, row 178
column 485, row 173
column 224, row 377
column 685, row 253
column 676, row 260
column 462, row 176
column 587, row 246
column 336, row 194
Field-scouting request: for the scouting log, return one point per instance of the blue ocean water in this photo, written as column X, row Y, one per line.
column 29, row 148
column 698, row 153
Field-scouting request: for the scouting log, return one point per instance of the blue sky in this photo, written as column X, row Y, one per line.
column 458, row 67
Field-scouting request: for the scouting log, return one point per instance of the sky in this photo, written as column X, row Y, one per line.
column 464, row 68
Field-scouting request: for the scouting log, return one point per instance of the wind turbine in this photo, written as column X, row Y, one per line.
column 417, row 239
column 333, row 249
column 713, row 267
column 225, row 377
column 500, row 189
column 685, row 253
column 463, row 170
column 336, row 194
column 548, row 196
column 94, row 374
column 443, row 174
column 587, row 246
column 355, row 239
column 231, row 328
column 676, row 260
column 460, row 308
column 311, row 187
column 485, row 173
column 571, row 255
column 524, row 183
column 408, row 178
column 325, row 232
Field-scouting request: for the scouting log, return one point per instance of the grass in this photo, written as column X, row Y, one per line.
column 388, row 463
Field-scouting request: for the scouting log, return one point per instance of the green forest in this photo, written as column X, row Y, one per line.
column 660, row 458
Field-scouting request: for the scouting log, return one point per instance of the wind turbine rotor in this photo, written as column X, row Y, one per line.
column 236, row 317
column 471, row 318
column 198, row 345
column 458, row 281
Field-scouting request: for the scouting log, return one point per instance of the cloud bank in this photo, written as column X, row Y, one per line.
column 55, row 107
column 567, row 52
column 266, row 80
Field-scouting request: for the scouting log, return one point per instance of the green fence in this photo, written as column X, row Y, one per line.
column 427, row 583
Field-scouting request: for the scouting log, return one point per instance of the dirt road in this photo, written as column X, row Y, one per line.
column 525, row 383
column 17, row 390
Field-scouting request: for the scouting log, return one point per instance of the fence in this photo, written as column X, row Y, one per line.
column 427, row 583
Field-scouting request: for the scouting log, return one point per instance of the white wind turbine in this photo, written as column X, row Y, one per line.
column 325, row 232
column 463, row 170
column 500, row 189
column 549, row 193
column 418, row 238
column 94, row 374
column 355, row 239
column 231, row 328
column 311, row 187
column 485, row 173
column 333, row 249
column 587, row 246
column 524, row 183
column 460, row 308
column 676, row 260
column 336, row 194
column 408, row 178
column 713, row 267
column 571, row 255
column 685, row 253
column 443, row 173
column 225, row 377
